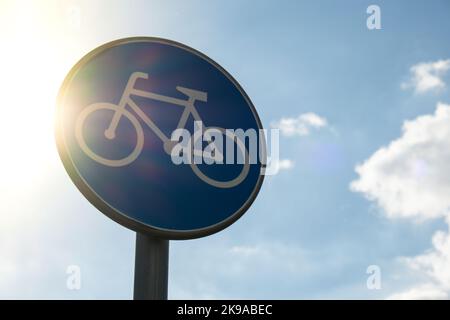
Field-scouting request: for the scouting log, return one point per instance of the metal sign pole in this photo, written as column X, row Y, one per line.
column 151, row 268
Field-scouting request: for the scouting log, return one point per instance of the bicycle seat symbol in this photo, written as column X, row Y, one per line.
column 120, row 110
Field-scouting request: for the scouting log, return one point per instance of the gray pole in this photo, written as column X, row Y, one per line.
column 151, row 268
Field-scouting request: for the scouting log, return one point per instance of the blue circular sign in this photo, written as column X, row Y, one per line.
column 148, row 130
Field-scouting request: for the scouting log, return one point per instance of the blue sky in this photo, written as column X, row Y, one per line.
column 308, row 234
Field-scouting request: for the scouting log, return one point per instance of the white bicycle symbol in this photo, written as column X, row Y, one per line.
column 120, row 110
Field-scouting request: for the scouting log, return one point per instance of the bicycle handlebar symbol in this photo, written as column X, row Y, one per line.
column 120, row 110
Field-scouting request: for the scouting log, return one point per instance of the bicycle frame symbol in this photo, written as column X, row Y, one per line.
column 120, row 110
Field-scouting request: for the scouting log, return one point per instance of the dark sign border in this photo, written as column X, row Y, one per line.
column 96, row 200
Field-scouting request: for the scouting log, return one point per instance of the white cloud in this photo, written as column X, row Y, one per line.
column 436, row 262
column 421, row 292
column 301, row 125
column 427, row 76
column 260, row 266
column 410, row 178
column 276, row 165
column 248, row 251
column 285, row 164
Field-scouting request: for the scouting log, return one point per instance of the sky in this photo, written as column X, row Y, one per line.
column 364, row 173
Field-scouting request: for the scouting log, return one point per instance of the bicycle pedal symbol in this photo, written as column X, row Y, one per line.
column 120, row 110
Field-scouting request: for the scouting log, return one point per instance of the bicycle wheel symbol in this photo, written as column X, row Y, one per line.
column 243, row 172
column 93, row 155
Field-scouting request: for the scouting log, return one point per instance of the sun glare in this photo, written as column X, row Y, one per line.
column 32, row 67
